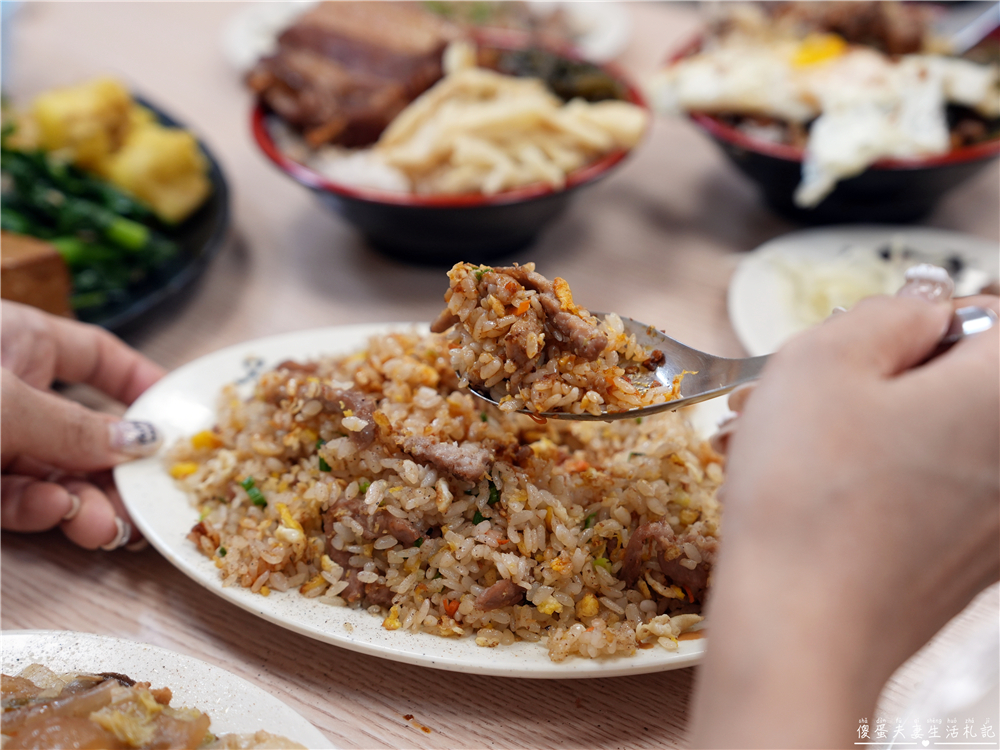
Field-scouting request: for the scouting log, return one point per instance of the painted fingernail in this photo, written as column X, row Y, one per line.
column 931, row 283
column 121, row 538
column 135, row 439
column 137, row 546
column 74, row 507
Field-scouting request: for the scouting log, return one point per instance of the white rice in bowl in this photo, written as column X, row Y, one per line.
column 372, row 481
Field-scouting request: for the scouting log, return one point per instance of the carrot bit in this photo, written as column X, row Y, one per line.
column 450, row 606
column 522, row 307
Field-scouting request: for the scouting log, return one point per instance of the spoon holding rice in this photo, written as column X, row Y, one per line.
column 519, row 341
column 698, row 376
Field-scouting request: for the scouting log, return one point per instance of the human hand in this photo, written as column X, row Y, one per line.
column 862, row 511
column 55, row 453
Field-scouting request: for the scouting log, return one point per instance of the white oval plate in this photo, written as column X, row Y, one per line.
column 761, row 306
column 183, row 403
column 232, row 703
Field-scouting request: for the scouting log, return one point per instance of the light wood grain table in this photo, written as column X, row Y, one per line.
column 658, row 240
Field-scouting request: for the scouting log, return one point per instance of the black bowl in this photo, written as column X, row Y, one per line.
column 443, row 229
column 199, row 238
column 889, row 191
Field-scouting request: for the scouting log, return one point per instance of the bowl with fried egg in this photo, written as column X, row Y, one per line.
column 480, row 162
column 833, row 130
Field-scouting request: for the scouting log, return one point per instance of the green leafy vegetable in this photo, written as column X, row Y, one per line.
column 109, row 240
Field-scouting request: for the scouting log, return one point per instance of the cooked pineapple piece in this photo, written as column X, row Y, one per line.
column 85, row 122
column 163, row 167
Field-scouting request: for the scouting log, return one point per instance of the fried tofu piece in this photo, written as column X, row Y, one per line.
column 34, row 273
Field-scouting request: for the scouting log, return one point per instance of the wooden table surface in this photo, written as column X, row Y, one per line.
column 658, row 240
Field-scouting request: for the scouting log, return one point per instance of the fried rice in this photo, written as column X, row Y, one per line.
column 522, row 339
column 372, row 480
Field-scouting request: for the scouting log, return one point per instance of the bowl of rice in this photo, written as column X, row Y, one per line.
column 477, row 166
column 838, row 115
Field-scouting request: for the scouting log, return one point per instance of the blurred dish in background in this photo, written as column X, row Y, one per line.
column 793, row 282
column 439, row 146
column 121, row 198
column 821, row 93
column 234, row 705
column 600, row 31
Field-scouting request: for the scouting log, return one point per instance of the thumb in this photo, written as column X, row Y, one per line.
column 64, row 434
column 884, row 335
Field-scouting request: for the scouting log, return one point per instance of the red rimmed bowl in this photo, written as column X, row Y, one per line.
column 889, row 191
column 445, row 229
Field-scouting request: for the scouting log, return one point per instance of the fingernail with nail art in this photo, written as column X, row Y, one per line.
column 121, row 538
column 928, row 282
column 135, row 439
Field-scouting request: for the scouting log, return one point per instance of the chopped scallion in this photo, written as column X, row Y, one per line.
column 420, row 541
column 222, row 551
column 494, row 495
column 477, row 518
column 589, row 520
column 255, row 495
column 363, row 485
column 602, row 562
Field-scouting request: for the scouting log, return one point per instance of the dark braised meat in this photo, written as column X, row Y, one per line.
column 892, row 27
column 501, row 594
column 580, row 335
column 344, row 70
column 468, row 460
column 670, row 557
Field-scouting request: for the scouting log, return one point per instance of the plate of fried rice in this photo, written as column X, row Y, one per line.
column 339, row 483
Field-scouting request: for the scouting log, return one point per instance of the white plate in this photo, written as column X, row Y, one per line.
column 232, row 703
column 762, row 291
column 604, row 29
column 183, row 403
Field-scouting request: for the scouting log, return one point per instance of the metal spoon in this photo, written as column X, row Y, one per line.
column 710, row 376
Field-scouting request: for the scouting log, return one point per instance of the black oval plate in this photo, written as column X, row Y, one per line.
column 199, row 238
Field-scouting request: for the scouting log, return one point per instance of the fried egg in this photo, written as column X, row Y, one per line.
column 863, row 105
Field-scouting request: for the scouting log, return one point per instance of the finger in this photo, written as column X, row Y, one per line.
column 979, row 300
column 970, row 363
column 105, row 482
column 883, row 335
column 97, row 524
column 26, row 466
column 738, row 398
column 28, row 504
column 89, row 354
column 54, row 430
